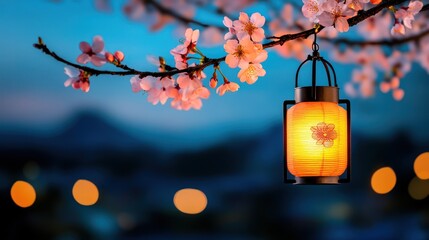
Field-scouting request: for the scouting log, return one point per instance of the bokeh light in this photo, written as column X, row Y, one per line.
column 85, row 192
column 418, row 188
column 383, row 180
column 421, row 166
column 190, row 201
column 23, row 194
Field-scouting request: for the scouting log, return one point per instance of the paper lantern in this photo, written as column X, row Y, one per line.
column 317, row 131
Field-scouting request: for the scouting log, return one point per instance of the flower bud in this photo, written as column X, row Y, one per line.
column 119, row 56
column 109, row 57
column 213, row 80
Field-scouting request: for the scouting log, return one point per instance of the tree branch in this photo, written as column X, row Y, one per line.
column 361, row 16
column 387, row 42
column 177, row 16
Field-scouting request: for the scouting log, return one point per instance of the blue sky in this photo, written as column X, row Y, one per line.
column 32, row 95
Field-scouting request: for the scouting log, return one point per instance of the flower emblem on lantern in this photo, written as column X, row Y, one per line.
column 324, row 134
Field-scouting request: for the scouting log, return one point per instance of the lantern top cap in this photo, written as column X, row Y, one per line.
column 317, row 94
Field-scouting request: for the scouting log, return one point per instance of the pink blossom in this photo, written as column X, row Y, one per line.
column 142, row 84
column 312, row 9
column 232, row 6
column 181, row 52
column 287, row 13
column 211, row 36
column 160, row 90
column 336, row 13
column 187, row 82
column 252, row 27
column 364, row 80
column 92, row 53
column 190, row 92
column 350, row 90
column 407, row 14
column 240, row 53
column 376, row 27
column 180, row 104
column 78, row 79
column 251, row 73
column 398, row 94
column 227, row 86
column 229, row 24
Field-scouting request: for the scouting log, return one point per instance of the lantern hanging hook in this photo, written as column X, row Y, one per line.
column 315, row 46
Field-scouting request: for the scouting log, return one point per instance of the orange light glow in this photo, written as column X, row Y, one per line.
column 190, row 201
column 418, row 188
column 383, row 180
column 316, row 139
column 421, row 166
column 85, row 192
column 23, row 194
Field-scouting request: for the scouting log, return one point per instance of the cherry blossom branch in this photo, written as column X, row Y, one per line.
column 386, row 42
column 129, row 71
column 361, row 16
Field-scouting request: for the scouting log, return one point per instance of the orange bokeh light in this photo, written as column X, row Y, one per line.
column 421, row 166
column 85, row 192
column 418, row 188
column 23, row 194
column 383, row 180
column 190, row 201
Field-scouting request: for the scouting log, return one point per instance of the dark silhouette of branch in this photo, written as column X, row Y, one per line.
column 387, row 42
column 361, row 16
column 180, row 18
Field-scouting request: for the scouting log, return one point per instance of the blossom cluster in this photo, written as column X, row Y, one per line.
column 187, row 90
column 95, row 54
column 404, row 17
column 395, row 66
column 244, row 49
column 335, row 13
column 332, row 12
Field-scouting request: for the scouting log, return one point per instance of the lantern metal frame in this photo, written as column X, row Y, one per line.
column 315, row 93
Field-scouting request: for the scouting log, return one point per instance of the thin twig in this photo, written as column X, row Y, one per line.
column 386, row 42
column 177, row 16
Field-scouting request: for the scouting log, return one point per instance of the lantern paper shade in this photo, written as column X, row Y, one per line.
column 316, row 139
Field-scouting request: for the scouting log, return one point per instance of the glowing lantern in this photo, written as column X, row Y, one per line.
column 317, row 131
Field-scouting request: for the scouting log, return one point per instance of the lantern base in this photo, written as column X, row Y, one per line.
column 316, row 180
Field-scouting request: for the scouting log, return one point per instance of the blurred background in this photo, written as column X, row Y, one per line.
column 137, row 156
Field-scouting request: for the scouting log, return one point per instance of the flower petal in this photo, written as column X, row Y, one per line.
column 85, row 47
column 341, row 24
column 71, row 72
column 258, row 35
column 97, row 44
column 97, row 60
column 83, row 58
column 243, row 17
column 257, row 19
column 326, row 19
